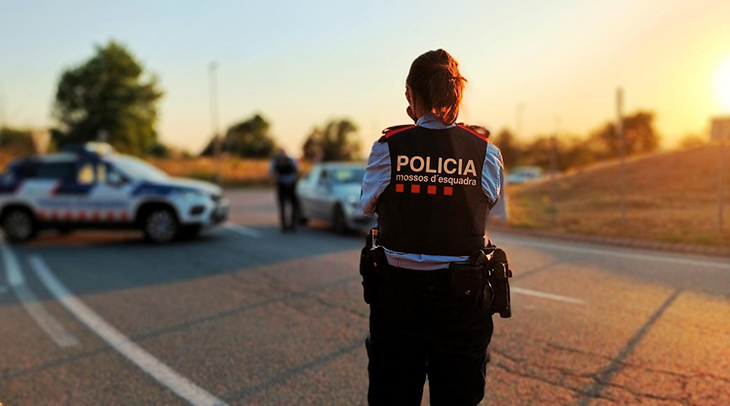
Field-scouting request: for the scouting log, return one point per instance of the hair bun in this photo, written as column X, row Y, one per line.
column 435, row 78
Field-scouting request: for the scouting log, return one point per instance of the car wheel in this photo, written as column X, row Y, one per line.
column 160, row 225
column 19, row 225
column 340, row 222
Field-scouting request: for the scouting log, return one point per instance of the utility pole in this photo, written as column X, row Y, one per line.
column 721, row 185
column 3, row 123
column 518, row 119
column 554, row 174
column 215, row 119
column 622, row 149
column 720, row 134
column 2, row 112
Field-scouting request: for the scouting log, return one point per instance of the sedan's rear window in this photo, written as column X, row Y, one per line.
column 347, row 175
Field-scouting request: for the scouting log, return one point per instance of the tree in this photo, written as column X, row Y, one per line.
column 690, row 140
column 336, row 141
column 249, row 139
column 640, row 136
column 16, row 142
column 511, row 152
column 108, row 94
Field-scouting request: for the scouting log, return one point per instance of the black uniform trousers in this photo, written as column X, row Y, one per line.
column 418, row 330
column 286, row 194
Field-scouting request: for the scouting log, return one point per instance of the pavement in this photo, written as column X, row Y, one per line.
column 248, row 315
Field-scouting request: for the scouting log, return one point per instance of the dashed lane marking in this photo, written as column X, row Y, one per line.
column 133, row 352
column 545, row 295
column 613, row 253
column 30, row 302
column 248, row 232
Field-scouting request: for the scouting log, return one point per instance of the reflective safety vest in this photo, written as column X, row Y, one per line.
column 434, row 203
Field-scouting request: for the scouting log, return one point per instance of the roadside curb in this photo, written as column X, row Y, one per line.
column 617, row 241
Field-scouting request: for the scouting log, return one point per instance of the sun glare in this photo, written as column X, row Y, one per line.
column 723, row 85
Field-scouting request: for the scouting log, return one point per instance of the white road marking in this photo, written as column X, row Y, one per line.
column 544, row 295
column 248, row 232
column 30, row 302
column 133, row 352
column 621, row 254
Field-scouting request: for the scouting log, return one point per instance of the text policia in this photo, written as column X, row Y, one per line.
column 448, row 166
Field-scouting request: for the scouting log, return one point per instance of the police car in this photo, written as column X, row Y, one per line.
column 94, row 187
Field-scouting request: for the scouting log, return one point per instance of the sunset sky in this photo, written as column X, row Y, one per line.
column 300, row 65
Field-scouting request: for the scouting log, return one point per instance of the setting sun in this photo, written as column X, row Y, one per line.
column 723, row 85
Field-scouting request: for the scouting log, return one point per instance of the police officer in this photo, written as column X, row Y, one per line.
column 284, row 169
column 433, row 185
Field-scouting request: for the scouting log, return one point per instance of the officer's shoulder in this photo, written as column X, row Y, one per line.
column 391, row 131
column 477, row 130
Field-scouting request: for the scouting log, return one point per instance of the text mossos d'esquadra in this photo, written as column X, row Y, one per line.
column 442, row 170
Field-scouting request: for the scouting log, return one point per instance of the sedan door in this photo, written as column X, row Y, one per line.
column 324, row 200
column 306, row 193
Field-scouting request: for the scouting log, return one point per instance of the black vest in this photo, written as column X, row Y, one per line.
column 434, row 203
column 283, row 166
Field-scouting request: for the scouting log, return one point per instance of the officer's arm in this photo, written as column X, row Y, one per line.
column 272, row 168
column 493, row 183
column 377, row 177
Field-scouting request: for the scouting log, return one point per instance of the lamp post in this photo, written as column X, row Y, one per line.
column 518, row 119
column 622, row 149
column 215, row 118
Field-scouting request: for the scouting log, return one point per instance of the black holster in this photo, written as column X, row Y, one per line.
column 484, row 280
column 372, row 260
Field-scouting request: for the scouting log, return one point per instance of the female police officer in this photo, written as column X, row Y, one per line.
column 433, row 185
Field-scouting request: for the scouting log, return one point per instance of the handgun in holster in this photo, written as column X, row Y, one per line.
column 484, row 280
column 372, row 260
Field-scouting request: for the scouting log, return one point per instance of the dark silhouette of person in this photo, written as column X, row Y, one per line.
column 285, row 171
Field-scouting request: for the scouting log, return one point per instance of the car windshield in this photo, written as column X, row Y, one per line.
column 347, row 175
column 137, row 168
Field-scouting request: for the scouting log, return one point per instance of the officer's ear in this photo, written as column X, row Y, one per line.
column 410, row 108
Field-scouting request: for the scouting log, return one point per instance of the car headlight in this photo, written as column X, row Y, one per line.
column 187, row 194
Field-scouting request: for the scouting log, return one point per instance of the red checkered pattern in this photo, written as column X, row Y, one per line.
column 430, row 189
column 83, row 215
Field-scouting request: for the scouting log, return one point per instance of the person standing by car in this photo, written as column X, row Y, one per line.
column 433, row 185
column 285, row 170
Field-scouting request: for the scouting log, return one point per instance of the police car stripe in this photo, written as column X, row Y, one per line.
column 76, row 189
column 83, row 216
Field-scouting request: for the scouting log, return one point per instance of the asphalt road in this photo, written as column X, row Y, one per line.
column 247, row 315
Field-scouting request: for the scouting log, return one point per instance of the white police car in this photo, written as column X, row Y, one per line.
column 93, row 187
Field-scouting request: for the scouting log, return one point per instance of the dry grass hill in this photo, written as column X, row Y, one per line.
column 671, row 197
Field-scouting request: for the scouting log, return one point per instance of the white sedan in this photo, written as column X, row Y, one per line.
column 331, row 192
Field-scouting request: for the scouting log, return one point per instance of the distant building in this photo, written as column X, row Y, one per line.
column 720, row 129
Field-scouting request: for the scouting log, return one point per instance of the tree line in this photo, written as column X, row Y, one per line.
column 573, row 151
column 110, row 97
